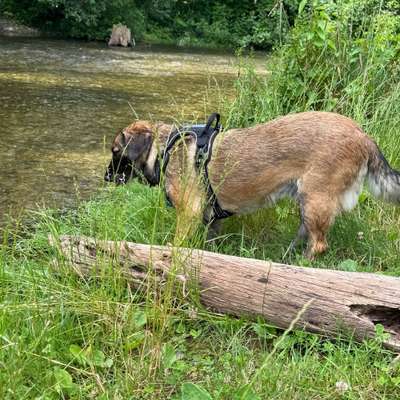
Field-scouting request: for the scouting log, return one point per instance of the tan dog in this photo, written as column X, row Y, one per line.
column 319, row 158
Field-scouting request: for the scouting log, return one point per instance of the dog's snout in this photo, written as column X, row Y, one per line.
column 120, row 179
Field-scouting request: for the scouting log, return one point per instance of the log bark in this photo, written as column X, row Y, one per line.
column 120, row 36
column 342, row 302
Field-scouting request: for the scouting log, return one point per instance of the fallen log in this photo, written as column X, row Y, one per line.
column 342, row 302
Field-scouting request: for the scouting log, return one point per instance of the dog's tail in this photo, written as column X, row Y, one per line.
column 383, row 180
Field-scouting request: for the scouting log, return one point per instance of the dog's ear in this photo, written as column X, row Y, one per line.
column 138, row 145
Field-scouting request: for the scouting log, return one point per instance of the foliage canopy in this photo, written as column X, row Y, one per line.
column 227, row 23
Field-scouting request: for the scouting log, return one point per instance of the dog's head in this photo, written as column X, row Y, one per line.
column 130, row 150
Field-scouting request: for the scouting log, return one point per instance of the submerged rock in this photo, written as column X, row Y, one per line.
column 121, row 36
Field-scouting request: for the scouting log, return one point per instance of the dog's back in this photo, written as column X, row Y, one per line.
column 320, row 158
column 259, row 161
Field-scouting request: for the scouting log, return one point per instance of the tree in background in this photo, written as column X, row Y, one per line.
column 227, row 23
column 83, row 19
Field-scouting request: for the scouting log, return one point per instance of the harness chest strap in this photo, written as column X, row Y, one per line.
column 205, row 136
column 218, row 212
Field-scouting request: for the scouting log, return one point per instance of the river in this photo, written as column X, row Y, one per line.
column 63, row 101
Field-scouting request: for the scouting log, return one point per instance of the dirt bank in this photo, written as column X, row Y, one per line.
column 8, row 27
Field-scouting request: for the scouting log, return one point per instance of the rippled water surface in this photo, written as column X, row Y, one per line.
column 63, row 101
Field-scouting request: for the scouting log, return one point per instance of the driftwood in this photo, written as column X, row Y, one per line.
column 120, row 36
column 342, row 302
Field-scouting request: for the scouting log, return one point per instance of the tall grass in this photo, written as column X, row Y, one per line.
column 67, row 337
column 62, row 336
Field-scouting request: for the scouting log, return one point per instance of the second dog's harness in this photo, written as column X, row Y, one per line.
column 204, row 136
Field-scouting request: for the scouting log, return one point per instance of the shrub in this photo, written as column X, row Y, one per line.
column 92, row 19
column 226, row 23
column 335, row 60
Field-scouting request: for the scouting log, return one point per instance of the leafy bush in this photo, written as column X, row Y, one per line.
column 260, row 24
column 336, row 59
column 225, row 23
column 91, row 19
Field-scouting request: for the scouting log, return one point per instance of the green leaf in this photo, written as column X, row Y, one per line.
column 393, row 235
column 134, row 341
column 331, row 44
column 324, row 15
column 245, row 393
column 309, row 35
column 108, row 363
column 180, row 328
column 90, row 356
column 321, row 34
column 380, row 332
column 168, row 355
column 301, row 6
column 63, row 380
column 348, row 265
column 78, row 354
column 383, row 380
column 191, row 391
column 195, row 333
column 98, row 359
column 321, row 25
column 139, row 319
column 363, row 197
column 395, row 380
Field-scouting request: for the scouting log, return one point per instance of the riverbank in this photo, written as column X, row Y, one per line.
column 97, row 338
column 11, row 28
column 220, row 24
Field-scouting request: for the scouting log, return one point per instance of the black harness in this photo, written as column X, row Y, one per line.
column 204, row 136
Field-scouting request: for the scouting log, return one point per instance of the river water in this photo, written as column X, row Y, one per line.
column 63, row 101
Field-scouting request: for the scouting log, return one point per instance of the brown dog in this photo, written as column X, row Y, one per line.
column 319, row 158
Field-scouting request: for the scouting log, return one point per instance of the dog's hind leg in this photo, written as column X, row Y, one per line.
column 214, row 229
column 319, row 213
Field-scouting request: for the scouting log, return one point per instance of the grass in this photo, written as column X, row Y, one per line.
column 65, row 337
column 62, row 336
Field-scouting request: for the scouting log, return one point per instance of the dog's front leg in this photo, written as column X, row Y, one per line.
column 188, row 198
column 185, row 189
column 188, row 220
column 214, row 229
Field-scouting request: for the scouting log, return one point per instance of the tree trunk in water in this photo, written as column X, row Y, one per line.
column 120, row 36
column 342, row 302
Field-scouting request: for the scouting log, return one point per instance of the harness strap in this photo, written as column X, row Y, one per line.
column 204, row 135
column 218, row 212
